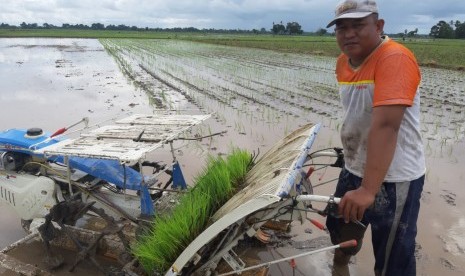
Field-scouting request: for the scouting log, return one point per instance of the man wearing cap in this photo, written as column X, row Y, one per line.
column 383, row 177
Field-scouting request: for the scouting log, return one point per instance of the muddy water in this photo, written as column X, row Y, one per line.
column 51, row 83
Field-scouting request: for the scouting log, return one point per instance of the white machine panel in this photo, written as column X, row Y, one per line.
column 129, row 140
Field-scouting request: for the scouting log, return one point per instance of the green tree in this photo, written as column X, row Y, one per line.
column 460, row 30
column 412, row 33
column 442, row 30
column 24, row 25
column 97, row 26
column 293, row 28
column 47, row 26
column 321, row 32
column 7, row 26
column 278, row 28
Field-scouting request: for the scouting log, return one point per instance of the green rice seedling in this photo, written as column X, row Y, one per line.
column 159, row 247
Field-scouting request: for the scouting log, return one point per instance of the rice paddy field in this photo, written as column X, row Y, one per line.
column 437, row 53
column 257, row 94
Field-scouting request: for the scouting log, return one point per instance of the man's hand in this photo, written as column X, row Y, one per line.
column 355, row 202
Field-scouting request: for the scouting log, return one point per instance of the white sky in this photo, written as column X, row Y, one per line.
column 223, row 14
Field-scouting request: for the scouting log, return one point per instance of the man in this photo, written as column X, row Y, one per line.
column 383, row 177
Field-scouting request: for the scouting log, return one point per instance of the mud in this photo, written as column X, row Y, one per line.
column 257, row 97
column 34, row 255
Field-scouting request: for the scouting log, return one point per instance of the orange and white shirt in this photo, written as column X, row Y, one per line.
column 389, row 76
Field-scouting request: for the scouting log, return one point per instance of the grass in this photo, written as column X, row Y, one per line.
column 170, row 234
column 438, row 53
column 316, row 45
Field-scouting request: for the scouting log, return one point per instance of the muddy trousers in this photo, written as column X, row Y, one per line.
column 393, row 219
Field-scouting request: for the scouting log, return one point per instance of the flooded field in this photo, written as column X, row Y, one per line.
column 257, row 96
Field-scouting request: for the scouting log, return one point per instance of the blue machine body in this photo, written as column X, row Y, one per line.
column 112, row 171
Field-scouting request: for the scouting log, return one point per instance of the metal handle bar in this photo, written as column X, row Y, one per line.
column 324, row 153
column 319, row 198
column 350, row 243
column 333, row 153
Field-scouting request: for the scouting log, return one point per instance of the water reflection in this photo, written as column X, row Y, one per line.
column 51, row 83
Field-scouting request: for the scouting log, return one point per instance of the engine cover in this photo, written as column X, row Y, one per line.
column 30, row 196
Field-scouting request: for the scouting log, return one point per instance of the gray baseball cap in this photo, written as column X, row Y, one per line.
column 354, row 9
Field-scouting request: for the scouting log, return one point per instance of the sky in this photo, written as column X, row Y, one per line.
column 223, row 14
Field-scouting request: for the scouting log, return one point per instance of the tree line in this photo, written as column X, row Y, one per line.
column 122, row 27
column 290, row 29
column 443, row 29
column 450, row 29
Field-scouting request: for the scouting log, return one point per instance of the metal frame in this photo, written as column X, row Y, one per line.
column 128, row 141
column 258, row 204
